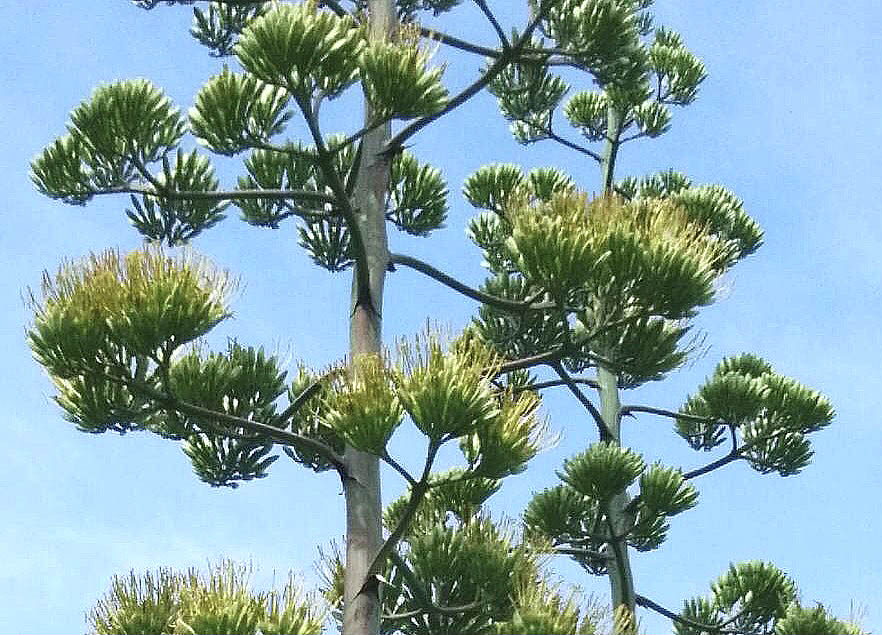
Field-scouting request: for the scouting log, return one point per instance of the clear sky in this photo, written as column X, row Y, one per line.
column 789, row 118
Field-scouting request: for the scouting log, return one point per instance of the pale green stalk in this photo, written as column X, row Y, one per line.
column 621, row 579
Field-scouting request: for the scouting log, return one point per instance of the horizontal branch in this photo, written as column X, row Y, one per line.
column 229, row 195
column 547, row 357
column 577, row 552
column 671, row 414
column 553, row 383
column 283, row 437
column 552, row 135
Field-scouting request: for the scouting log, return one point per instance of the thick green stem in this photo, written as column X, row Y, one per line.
column 614, row 119
column 364, row 519
column 620, row 577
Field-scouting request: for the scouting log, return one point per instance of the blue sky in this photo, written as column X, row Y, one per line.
column 788, row 118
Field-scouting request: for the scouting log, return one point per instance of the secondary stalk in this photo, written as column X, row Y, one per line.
column 620, row 577
column 364, row 524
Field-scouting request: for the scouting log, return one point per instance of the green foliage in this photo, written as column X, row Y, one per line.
column 124, row 126
column 407, row 9
column 576, row 515
column 602, row 471
column 244, row 383
column 434, row 587
column 639, row 77
column 308, row 420
column 504, row 446
column 365, row 409
column 111, row 313
column 456, row 491
column 190, row 603
column 610, row 283
column 648, row 259
column 565, row 517
column 677, row 72
column 113, row 138
column 446, row 395
column 588, row 112
column 528, row 94
column 396, row 80
column 773, row 414
column 177, row 219
column 219, row 26
column 750, row 598
column 541, row 610
column 663, row 493
column 233, row 111
column 294, row 168
column 302, row 49
column 602, row 36
column 799, row 620
column 417, row 196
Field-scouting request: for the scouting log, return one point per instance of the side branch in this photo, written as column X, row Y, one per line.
column 547, row 357
column 456, row 285
column 507, row 55
column 605, row 433
column 482, row 5
column 649, row 604
column 539, row 385
column 626, row 410
column 422, row 595
column 417, row 492
column 302, row 398
column 734, row 454
column 281, row 436
column 229, row 195
column 326, row 163
column 457, row 43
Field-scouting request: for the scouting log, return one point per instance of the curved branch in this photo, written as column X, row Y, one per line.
column 456, row 285
column 395, row 465
column 283, row 437
column 602, row 428
column 482, row 5
column 334, row 6
column 457, row 43
column 396, row 143
column 578, row 552
column 735, row 453
column 547, row 357
column 551, row 134
column 417, row 492
column 671, row 414
column 326, row 164
column 649, row 604
column 539, row 385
